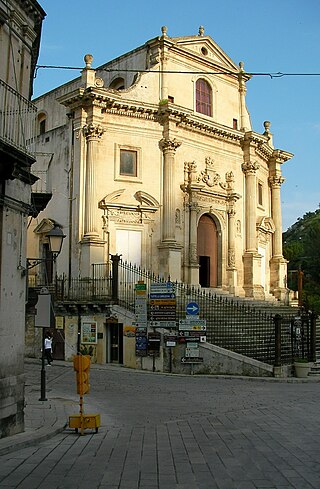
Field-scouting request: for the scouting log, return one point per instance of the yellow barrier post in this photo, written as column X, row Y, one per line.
column 81, row 364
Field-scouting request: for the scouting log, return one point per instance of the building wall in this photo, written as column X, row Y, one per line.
column 19, row 43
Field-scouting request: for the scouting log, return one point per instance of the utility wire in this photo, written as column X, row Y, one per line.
column 277, row 74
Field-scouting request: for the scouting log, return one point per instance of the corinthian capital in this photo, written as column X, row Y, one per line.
column 93, row 131
column 250, row 168
column 169, row 144
column 193, row 206
column 276, row 181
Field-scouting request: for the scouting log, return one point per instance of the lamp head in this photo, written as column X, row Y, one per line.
column 55, row 237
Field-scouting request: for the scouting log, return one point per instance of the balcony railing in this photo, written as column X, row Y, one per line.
column 42, row 184
column 17, row 119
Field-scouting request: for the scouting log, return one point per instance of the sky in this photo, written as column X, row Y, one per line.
column 268, row 36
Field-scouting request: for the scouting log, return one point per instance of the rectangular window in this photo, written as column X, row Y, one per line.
column 260, row 194
column 128, row 163
column 235, row 124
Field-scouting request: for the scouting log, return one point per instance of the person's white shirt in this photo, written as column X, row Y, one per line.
column 47, row 343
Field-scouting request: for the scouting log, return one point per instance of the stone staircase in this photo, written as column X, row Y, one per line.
column 315, row 370
column 246, row 325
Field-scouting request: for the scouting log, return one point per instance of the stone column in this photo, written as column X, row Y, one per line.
column 278, row 264
column 249, row 170
column 92, row 133
column 275, row 184
column 168, row 217
column 169, row 250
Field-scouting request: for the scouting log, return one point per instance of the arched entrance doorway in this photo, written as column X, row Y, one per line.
column 207, row 251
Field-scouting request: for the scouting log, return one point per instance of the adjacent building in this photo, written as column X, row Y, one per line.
column 20, row 30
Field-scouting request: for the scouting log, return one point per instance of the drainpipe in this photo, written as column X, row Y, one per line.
column 71, row 198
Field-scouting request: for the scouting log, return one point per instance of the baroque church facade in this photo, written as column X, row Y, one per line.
column 152, row 156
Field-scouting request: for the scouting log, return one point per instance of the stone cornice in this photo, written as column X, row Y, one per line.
column 281, row 156
column 189, row 120
column 112, row 103
column 263, row 149
column 126, row 207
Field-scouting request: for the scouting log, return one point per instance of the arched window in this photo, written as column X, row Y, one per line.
column 42, row 123
column 203, row 97
column 117, row 83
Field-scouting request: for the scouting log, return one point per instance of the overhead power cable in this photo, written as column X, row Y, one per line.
column 277, row 74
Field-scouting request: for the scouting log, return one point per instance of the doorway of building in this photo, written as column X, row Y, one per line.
column 58, row 342
column 207, row 251
column 115, row 343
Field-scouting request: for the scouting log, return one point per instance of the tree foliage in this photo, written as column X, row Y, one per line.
column 301, row 247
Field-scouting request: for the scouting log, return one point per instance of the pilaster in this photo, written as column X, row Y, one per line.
column 231, row 267
column 193, row 252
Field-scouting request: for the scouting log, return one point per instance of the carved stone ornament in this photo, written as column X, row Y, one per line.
column 193, row 256
column 209, row 176
column 123, row 216
column 178, row 217
column 228, row 185
column 265, row 229
column 190, row 171
column 169, row 144
column 193, row 206
column 209, row 199
column 276, row 181
column 250, row 168
column 231, row 258
column 93, row 131
column 98, row 82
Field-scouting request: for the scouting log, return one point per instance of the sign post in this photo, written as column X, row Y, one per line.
column 42, row 320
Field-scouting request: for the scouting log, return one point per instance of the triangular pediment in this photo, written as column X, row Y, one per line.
column 45, row 226
column 206, row 49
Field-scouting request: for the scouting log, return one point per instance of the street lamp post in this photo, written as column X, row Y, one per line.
column 55, row 238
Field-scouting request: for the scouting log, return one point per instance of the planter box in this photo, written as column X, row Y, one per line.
column 302, row 369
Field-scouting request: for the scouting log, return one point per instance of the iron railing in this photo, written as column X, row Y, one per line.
column 83, row 289
column 42, row 184
column 17, row 119
column 234, row 324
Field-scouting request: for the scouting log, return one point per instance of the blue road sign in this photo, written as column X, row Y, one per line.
column 192, row 308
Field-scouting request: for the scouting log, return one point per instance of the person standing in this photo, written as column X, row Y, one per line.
column 48, row 348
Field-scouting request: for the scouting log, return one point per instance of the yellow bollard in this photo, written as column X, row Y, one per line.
column 81, row 364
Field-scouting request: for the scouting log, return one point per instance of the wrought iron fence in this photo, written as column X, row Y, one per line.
column 231, row 323
column 83, row 290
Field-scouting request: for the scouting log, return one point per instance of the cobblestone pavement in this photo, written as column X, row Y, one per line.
column 175, row 432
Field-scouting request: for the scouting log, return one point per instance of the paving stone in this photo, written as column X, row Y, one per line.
column 175, row 432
